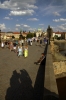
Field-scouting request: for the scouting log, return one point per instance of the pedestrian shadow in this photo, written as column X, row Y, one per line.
column 20, row 87
column 40, row 78
column 40, row 92
column 39, row 82
column 48, row 95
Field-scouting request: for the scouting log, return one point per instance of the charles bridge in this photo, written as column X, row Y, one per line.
column 21, row 79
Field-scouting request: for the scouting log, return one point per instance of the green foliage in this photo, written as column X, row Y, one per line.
column 59, row 38
column 20, row 31
column 21, row 36
column 56, row 36
column 13, row 37
column 30, row 35
column 34, row 34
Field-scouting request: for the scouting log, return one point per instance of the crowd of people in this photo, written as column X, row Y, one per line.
column 20, row 47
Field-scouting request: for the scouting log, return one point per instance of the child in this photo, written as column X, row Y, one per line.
column 19, row 50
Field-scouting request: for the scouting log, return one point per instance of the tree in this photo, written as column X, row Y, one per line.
column 29, row 32
column 20, row 36
column 20, row 31
column 34, row 34
column 30, row 35
column 56, row 36
column 13, row 37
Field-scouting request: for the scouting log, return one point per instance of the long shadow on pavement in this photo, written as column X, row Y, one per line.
column 39, row 83
column 39, row 90
column 20, row 87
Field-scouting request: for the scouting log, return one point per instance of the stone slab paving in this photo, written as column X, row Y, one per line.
column 18, row 75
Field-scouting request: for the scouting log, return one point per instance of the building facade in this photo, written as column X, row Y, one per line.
column 38, row 33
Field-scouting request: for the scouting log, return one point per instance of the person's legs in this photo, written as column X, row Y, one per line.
column 38, row 62
column 41, row 58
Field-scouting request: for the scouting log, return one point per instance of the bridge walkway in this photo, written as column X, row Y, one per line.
column 18, row 75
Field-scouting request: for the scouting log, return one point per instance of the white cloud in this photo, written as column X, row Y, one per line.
column 19, row 13
column 63, row 28
column 16, row 29
column 50, row 9
column 56, row 20
column 27, row 26
column 2, row 26
column 19, row 7
column 63, row 24
column 17, row 25
column 56, row 14
column 62, row 19
column 32, row 6
column 59, row 28
column 32, row 29
column 7, row 18
column 33, row 19
column 53, row 7
column 59, row 20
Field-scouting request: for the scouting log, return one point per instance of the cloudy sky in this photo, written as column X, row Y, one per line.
column 16, row 15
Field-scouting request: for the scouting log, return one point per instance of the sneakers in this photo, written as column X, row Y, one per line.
column 37, row 63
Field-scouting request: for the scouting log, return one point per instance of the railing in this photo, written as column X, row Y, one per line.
column 45, row 87
column 50, row 86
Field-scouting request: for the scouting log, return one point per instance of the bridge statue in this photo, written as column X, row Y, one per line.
column 49, row 33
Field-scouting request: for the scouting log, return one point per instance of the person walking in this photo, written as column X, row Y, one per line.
column 2, row 44
column 26, row 51
column 14, row 47
column 11, row 46
column 40, row 42
column 20, row 51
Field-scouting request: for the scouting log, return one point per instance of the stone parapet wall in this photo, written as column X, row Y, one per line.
column 57, row 56
column 54, row 48
column 59, row 67
column 59, row 61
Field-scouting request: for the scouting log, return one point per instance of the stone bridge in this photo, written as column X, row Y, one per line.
column 21, row 79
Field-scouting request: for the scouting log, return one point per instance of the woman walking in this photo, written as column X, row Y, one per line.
column 11, row 46
column 26, row 51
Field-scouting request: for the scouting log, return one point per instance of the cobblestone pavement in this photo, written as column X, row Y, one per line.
column 18, row 75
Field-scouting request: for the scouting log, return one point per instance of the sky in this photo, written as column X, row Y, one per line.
column 31, row 15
